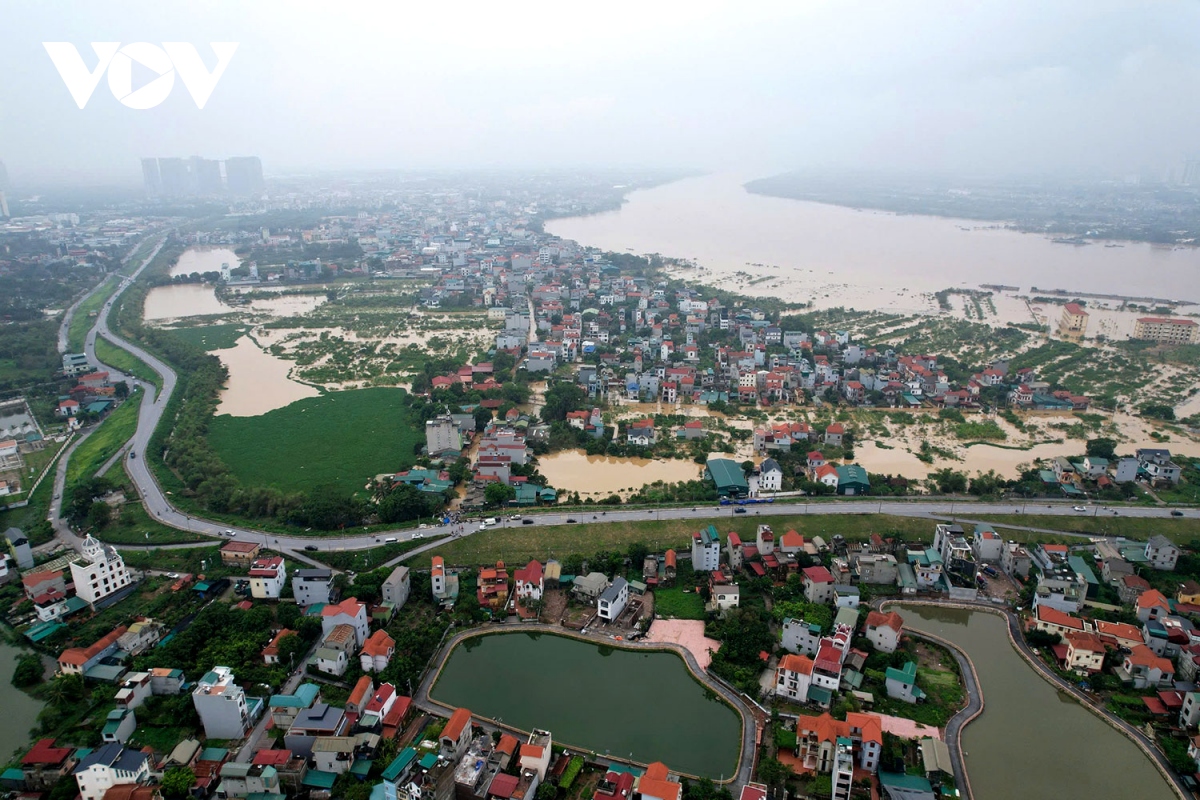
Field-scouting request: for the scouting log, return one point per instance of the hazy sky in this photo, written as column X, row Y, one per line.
column 990, row 86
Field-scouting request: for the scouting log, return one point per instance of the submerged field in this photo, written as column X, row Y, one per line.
column 341, row 439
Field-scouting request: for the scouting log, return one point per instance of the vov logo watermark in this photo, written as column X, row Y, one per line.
column 162, row 61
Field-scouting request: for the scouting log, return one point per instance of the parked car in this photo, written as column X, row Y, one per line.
column 173, row 575
column 990, row 570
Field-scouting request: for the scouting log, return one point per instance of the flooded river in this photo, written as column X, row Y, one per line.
column 863, row 259
column 600, row 476
column 182, row 300
column 204, row 259
column 1033, row 741
column 20, row 710
column 258, row 381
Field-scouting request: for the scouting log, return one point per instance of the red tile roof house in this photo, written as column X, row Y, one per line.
column 78, row 660
column 883, row 630
column 456, row 736
column 529, row 582
column 818, row 585
column 1143, row 669
column 270, row 653
column 377, row 652
column 44, row 764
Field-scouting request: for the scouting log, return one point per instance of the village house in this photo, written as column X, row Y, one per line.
column 377, row 652
column 883, row 630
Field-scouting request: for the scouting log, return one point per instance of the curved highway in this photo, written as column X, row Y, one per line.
column 157, row 505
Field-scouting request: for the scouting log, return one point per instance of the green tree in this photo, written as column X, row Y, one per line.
column 498, row 494
column 773, row 772
column 98, row 515
column 561, row 398
column 1101, row 448
column 177, row 781
column 28, row 671
column 286, row 614
column 547, row 791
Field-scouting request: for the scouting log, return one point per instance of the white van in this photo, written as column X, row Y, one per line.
column 390, row 539
column 491, row 521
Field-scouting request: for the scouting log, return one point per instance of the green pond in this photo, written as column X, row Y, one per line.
column 1033, row 741
column 626, row 703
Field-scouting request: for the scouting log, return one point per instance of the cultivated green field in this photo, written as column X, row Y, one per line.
column 1180, row 531
column 211, row 337
column 341, row 439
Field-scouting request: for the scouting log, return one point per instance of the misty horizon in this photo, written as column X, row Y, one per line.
column 1100, row 90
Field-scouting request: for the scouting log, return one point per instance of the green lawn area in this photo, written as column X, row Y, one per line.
column 189, row 560
column 363, row 560
column 341, row 439
column 83, row 321
column 518, row 545
column 211, row 337
column 125, row 361
column 674, row 602
column 1180, row 531
column 113, row 432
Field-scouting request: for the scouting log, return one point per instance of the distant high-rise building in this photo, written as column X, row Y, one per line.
column 206, row 175
column 173, row 172
column 150, row 177
column 3, row 178
column 3, row 205
column 1191, row 174
column 244, row 175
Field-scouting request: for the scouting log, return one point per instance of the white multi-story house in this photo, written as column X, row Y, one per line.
column 312, row 586
column 268, row 576
column 529, row 583
column 793, row 677
column 883, row 630
column 706, row 549
column 221, row 704
column 348, row 612
column 396, row 588
column 1161, row 552
column 801, row 637
column 101, row 572
column 612, row 601
column 770, row 476
column 109, row 766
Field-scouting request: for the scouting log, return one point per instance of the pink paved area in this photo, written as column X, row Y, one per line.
column 686, row 632
column 907, row 729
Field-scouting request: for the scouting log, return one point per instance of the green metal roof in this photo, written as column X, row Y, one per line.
column 319, row 779
column 399, row 764
column 726, row 473
column 899, row 780
column 905, row 674
column 429, row 760
column 852, row 473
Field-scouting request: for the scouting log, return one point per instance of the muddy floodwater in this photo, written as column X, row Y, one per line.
column 576, row 471
column 182, row 300
column 834, row 256
column 258, row 381
column 204, row 259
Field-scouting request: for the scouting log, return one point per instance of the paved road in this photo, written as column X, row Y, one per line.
column 750, row 717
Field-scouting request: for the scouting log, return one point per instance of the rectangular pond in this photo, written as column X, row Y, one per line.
column 644, row 705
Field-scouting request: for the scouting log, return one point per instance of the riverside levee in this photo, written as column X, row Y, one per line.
column 630, row 704
column 1032, row 740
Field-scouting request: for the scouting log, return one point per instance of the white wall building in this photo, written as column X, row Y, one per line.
column 267, row 578
column 221, row 704
column 101, row 573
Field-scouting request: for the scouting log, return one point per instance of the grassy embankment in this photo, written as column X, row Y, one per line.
column 126, row 362
column 211, row 337
column 519, row 544
column 341, row 439
column 83, row 320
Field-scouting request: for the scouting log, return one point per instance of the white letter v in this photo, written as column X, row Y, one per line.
column 80, row 82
